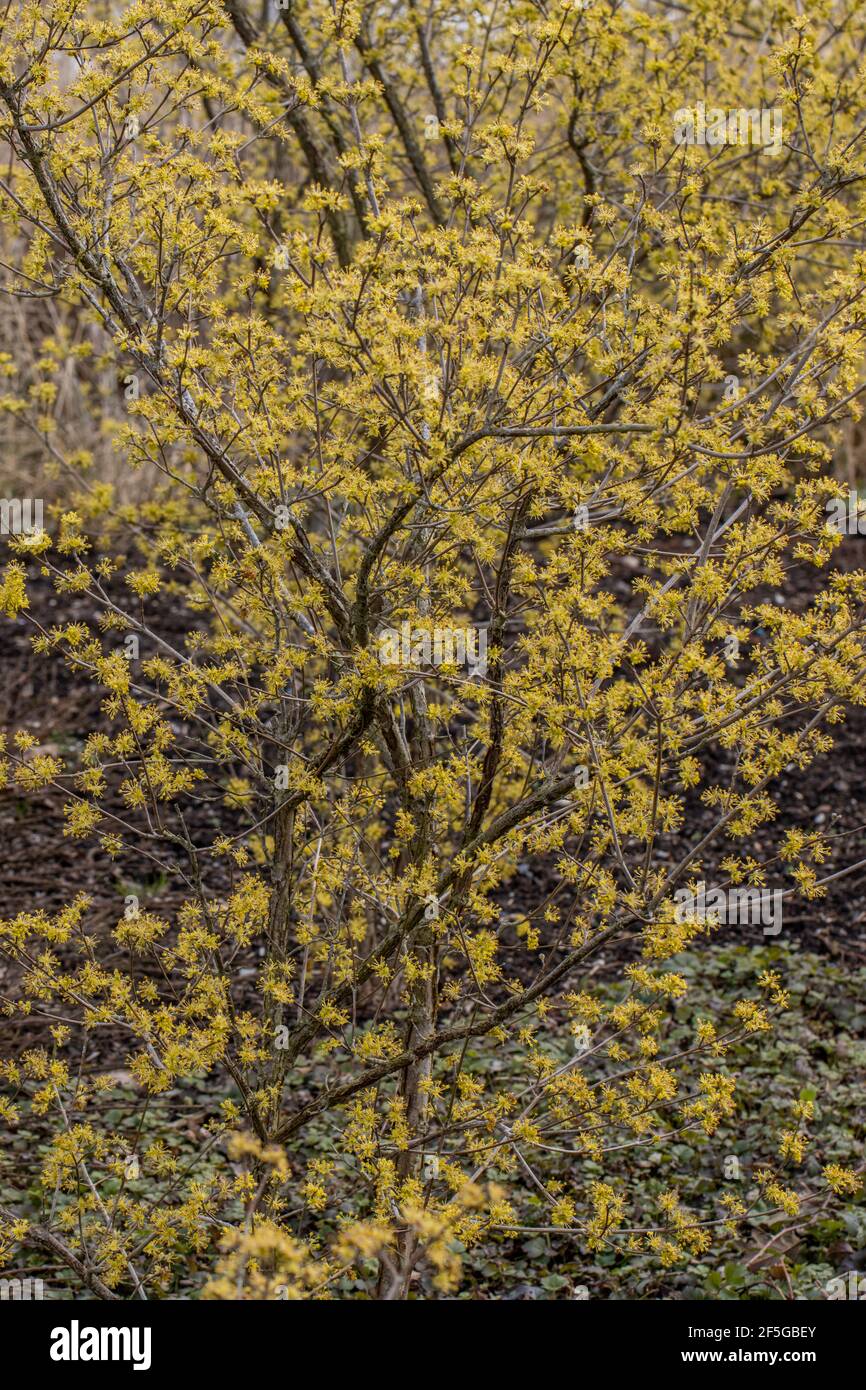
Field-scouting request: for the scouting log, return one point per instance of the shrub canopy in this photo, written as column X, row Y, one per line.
column 468, row 380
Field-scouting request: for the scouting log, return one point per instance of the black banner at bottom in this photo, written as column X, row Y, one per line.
column 83, row 1341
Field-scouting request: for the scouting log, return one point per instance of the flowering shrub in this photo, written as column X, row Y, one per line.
column 393, row 322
